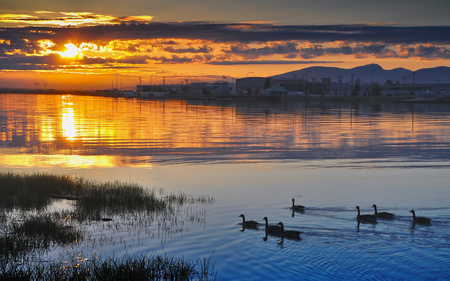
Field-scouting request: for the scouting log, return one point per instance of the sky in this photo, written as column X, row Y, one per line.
column 101, row 44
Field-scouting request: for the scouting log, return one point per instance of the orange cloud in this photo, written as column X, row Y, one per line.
column 63, row 19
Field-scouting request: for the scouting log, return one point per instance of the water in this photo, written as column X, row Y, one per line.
column 253, row 157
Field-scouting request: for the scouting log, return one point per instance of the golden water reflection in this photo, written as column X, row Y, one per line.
column 69, row 161
column 87, row 131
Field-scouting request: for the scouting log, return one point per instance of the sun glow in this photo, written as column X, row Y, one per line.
column 71, row 51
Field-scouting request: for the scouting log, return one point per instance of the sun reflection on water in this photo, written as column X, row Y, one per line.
column 68, row 124
column 90, row 131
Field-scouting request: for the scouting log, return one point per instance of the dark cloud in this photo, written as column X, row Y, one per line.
column 236, row 33
column 203, row 49
column 22, row 62
column 360, row 50
column 174, row 59
column 287, row 49
column 256, row 62
column 285, row 41
column 424, row 52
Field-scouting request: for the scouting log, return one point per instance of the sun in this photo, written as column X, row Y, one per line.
column 71, row 51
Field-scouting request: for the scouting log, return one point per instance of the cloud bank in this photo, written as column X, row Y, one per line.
column 106, row 42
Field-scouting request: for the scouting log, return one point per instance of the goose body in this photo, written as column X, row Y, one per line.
column 420, row 219
column 383, row 215
column 272, row 229
column 248, row 224
column 290, row 233
column 365, row 218
column 299, row 208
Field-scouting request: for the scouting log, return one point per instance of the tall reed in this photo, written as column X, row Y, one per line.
column 126, row 268
column 28, row 226
column 31, row 191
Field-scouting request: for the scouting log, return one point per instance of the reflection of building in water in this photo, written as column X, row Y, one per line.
column 255, row 86
column 416, row 90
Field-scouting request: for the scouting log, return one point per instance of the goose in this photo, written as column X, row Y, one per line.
column 299, row 208
column 290, row 233
column 248, row 224
column 419, row 219
column 384, row 215
column 366, row 218
column 272, row 229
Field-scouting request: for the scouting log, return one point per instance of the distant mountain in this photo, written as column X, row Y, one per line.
column 371, row 72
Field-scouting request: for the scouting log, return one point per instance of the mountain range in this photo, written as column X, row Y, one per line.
column 371, row 73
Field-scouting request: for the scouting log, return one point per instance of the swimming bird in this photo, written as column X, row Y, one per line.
column 383, row 215
column 272, row 229
column 365, row 218
column 248, row 224
column 299, row 208
column 419, row 219
column 290, row 233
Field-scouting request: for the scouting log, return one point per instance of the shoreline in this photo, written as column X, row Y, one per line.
column 374, row 99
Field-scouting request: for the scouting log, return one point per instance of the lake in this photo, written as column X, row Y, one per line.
column 253, row 157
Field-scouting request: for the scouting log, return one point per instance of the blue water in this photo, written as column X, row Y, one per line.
column 253, row 158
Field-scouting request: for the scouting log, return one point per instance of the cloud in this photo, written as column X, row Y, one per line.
column 260, row 62
column 260, row 33
column 202, row 49
column 241, row 32
column 68, row 19
column 288, row 49
column 22, row 62
column 136, row 40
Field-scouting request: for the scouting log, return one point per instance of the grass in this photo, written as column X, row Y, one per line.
column 32, row 232
column 32, row 191
column 116, row 198
column 126, row 268
column 27, row 226
column 28, row 192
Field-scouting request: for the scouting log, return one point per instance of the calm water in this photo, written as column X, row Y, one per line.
column 253, row 157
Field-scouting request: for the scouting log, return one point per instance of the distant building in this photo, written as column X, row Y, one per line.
column 275, row 91
column 198, row 88
column 340, row 89
column 293, row 85
column 253, row 85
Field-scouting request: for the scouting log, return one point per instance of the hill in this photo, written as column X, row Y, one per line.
column 371, row 72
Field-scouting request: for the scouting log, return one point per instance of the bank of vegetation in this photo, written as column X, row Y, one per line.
column 29, row 227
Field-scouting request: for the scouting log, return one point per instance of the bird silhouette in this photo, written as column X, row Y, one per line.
column 365, row 218
column 272, row 229
column 248, row 224
column 383, row 215
column 423, row 220
column 290, row 234
column 298, row 208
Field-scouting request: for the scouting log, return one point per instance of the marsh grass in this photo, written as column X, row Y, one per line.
column 117, row 198
column 31, row 191
column 29, row 226
column 34, row 232
column 126, row 268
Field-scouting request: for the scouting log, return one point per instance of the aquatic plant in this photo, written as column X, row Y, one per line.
column 116, row 198
column 126, row 268
column 32, row 191
column 29, row 226
column 35, row 191
column 32, row 232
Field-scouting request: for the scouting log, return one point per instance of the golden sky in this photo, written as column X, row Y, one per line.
column 90, row 50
